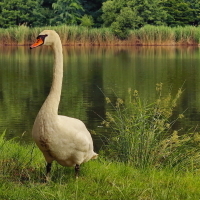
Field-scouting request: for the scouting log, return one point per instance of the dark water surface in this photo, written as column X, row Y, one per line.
column 25, row 80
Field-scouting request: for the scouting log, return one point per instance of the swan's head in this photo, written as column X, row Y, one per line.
column 46, row 37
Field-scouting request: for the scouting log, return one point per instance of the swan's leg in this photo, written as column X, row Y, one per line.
column 48, row 169
column 77, row 169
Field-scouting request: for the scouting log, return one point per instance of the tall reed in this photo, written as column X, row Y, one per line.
column 187, row 35
column 155, row 35
column 142, row 134
column 79, row 35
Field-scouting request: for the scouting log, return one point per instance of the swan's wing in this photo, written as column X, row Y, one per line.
column 76, row 132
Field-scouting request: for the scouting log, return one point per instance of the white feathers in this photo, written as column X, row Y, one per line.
column 60, row 138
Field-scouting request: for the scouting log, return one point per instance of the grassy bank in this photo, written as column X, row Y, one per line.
column 77, row 35
column 143, row 159
column 22, row 168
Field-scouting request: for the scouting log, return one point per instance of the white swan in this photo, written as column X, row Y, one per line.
column 60, row 138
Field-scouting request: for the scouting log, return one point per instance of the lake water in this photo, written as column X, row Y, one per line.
column 25, row 80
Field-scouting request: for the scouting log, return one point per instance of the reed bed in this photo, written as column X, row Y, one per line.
column 187, row 35
column 156, row 35
column 83, row 36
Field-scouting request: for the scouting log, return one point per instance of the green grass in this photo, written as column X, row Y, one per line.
column 22, row 173
column 79, row 35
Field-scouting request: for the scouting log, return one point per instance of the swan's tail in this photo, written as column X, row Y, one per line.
column 95, row 156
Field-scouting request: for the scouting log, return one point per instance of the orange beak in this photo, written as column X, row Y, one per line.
column 37, row 43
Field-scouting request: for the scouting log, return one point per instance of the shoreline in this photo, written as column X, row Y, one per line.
column 108, row 45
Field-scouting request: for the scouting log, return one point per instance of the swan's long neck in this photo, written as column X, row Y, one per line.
column 52, row 102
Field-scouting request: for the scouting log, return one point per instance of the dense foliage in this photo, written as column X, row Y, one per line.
column 124, row 14
column 120, row 15
column 47, row 12
column 104, row 12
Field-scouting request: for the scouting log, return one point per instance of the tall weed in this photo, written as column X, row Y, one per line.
column 142, row 134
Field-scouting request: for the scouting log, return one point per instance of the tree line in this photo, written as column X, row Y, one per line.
column 119, row 15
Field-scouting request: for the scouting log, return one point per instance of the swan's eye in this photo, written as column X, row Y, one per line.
column 42, row 37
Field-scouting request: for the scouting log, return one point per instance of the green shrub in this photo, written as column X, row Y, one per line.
column 124, row 22
column 142, row 134
column 87, row 21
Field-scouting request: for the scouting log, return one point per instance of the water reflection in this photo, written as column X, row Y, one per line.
column 25, row 80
